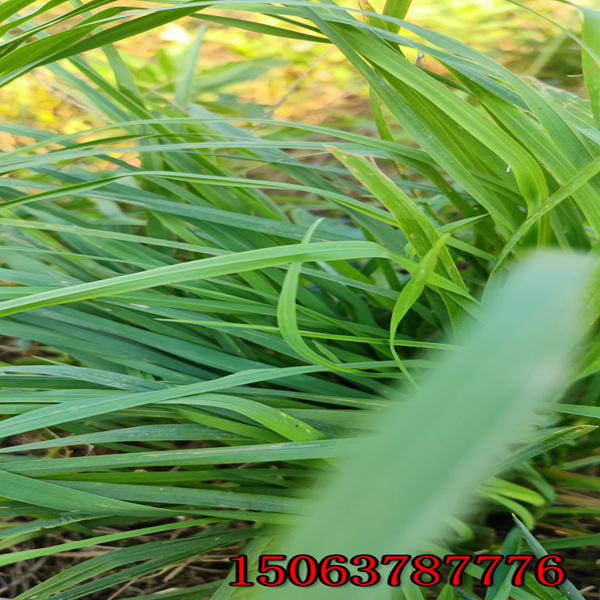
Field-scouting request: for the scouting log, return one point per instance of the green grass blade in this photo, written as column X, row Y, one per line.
column 447, row 461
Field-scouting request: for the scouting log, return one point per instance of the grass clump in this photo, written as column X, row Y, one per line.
column 212, row 312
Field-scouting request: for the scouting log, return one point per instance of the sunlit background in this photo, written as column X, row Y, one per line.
column 243, row 72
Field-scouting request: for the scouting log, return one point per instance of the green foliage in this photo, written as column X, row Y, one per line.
column 197, row 294
column 453, row 438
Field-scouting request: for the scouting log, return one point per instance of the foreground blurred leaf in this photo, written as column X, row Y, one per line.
column 394, row 495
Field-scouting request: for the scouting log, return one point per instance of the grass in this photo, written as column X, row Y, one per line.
column 207, row 316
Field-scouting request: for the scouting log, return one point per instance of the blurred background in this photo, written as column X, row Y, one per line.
column 248, row 74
